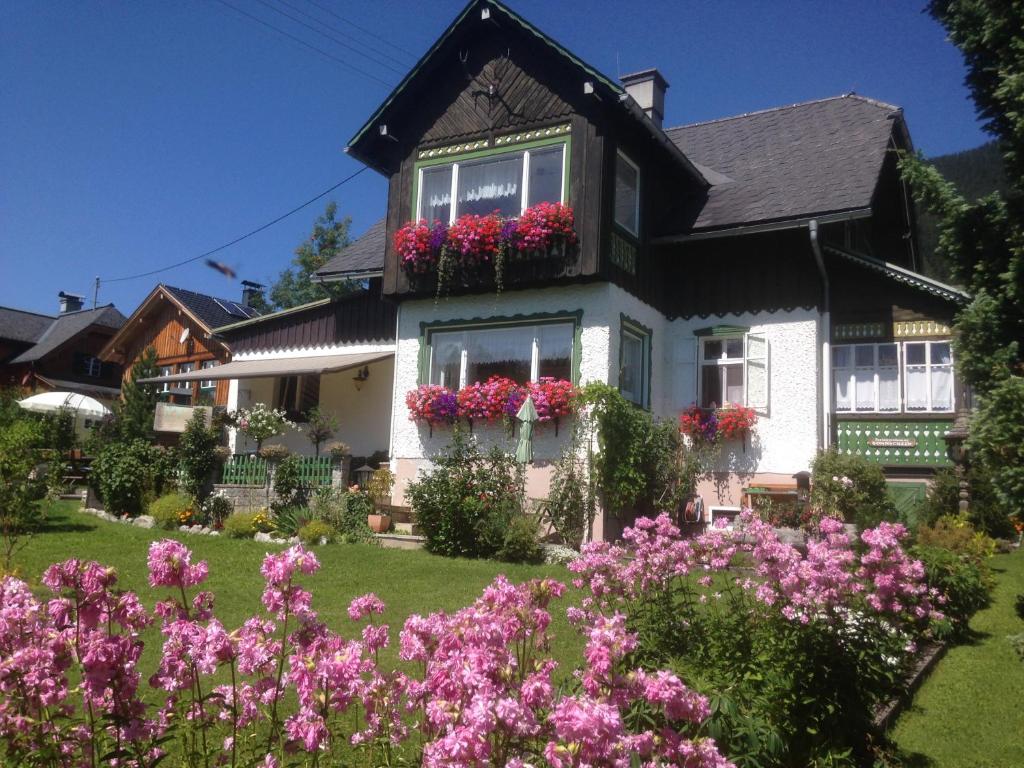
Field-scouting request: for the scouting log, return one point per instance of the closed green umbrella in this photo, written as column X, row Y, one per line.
column 527, row 415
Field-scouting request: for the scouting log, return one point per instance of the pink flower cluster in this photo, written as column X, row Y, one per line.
column 285, row 689
column 827, row 583
column 474, row 240
column 499, row 397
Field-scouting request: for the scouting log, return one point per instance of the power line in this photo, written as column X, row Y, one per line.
column 300, row 41
column 365, row 31
column 237, row 239
column 371, row 55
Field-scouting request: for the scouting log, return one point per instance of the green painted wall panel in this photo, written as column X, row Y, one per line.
column 893, row 442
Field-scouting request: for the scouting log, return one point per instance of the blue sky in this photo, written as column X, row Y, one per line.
column 136, row 134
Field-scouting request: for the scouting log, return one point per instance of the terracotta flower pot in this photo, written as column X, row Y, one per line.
column 379, row 523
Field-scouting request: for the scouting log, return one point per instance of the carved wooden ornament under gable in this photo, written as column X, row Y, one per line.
column 500, row 96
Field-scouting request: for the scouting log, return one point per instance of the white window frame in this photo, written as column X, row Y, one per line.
column 93, row 366
column 721, row 361
column 928, row 366
column 629, row 328
column 165, row 387
column 453, row 214
column 620, row 155
column 207, row 384
column 534, row 350
column 743, row 362
column 901, row 383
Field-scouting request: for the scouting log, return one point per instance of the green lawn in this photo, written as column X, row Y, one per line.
column 970, row 711
column 407, row 581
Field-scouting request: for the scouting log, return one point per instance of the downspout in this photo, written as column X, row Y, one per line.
column 826, row 335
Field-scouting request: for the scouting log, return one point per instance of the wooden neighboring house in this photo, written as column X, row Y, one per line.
column 179, row 325
column 767, row 259
column 334, row 354
column 60, row 352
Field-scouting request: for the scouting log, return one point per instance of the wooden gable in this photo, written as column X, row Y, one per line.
column 499, row 94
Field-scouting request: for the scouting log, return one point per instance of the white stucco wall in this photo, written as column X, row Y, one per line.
column 364, row 415
column 787, row 437
column 410, row 440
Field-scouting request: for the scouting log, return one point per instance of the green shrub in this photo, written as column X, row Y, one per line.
column 852, row 488
column 571, row 501
column 985, row 512
column 198, row 458
column 345, row 511
column 315, row 530
column 966, row 585
column 20, row 488
column 466, row 503
column 166, row 511
column 288, row 482
column 520, row 543
column 240, row 525
column 129, row 474
column 288, row 520
column 960, row 538
column 1019, row 606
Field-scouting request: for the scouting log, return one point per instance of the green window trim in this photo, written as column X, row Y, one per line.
column 504, row 149
column 629, row 325
column 504, row 321
column 722, row 330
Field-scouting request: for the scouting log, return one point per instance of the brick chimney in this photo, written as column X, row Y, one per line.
column 648, row 90
column 70, row 302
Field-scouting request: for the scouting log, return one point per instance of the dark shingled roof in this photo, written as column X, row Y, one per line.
column 19, row 325
column 65, row 327
column 790, row 162
column 211, row 311
column 365, row 255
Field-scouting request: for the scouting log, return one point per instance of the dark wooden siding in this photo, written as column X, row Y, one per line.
column 752, row 273
column 363, row 317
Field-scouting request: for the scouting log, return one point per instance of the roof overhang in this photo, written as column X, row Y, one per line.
column 768, row 226
column 341, row 275
column 282, row 366
column 902, row 275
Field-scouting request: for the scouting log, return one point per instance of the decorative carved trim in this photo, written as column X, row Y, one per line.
column 847, row 331
column 623, row 254
column 453, row 149
column 912, row 328
column 539, row 133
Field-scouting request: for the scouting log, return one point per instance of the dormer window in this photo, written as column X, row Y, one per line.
column 627, row 194
column 508, row 182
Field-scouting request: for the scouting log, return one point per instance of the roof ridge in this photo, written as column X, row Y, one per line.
column 809, row 102
column 28, row 312
column 197, row 293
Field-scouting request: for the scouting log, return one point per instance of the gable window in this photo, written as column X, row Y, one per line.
column 88, row 365
column 507, row 182
column 635, row 363
column 734, row 370
column 522, row 352
column 627, row 194
column 893, row 376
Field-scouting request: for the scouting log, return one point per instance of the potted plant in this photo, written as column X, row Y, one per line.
column 320, row 426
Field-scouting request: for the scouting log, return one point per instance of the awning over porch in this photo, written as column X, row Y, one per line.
column 283, row 366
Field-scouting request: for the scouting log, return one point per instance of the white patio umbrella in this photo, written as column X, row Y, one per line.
column 52, row 402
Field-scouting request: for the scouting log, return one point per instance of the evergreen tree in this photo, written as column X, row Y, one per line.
column 138, row 403
column 297, row 284
column 983, row 240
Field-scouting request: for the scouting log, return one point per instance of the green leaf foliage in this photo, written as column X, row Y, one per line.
column 297, row 285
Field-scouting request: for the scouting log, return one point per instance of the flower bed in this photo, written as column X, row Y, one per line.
column 475, row 246
column 498, row 398
column 285, row 689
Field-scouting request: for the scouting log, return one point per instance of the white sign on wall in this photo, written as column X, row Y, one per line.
column 174, row 418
